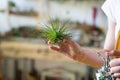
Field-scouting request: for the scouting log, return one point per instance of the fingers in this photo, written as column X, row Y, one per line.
column 67, row 42
column 73, row 45
column 49, row 42
column 66, row 47
column 60, row 51
column 55, row 48
column 114, row 53
column 115, row 69
column 62, row 48
column 117, row 75
column 117, row 78
column 115, row 62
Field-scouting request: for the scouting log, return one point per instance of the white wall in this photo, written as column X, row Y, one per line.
column 8, row 21
column 80, row 12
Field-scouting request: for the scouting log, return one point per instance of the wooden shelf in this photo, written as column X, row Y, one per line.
column 28, row 14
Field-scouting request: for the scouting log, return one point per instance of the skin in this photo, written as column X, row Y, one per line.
column 115, row 64
column 88, row 56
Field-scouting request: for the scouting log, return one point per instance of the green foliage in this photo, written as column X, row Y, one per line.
column 24, row 31
column 55, row 32
column 11, row 4
column 101, row 78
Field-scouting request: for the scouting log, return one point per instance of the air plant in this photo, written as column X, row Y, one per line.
column 55, row 32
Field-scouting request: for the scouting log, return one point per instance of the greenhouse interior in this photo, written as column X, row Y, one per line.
column 26, row 55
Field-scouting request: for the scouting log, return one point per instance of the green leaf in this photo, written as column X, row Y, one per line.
column 55, row 32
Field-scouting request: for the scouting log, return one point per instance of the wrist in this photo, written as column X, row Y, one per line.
column 79, row 56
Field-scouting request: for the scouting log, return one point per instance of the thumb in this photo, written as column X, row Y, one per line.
column 115, row 53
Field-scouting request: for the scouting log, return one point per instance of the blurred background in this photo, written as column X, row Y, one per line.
column 25, row 56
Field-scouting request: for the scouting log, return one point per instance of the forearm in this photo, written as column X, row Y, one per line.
column 89, row 56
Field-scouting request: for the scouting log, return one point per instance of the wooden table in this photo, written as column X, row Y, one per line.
column 30, row 51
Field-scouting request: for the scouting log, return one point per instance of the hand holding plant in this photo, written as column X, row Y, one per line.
column 58, row 35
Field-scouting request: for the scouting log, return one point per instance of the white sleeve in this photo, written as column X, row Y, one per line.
column 108, row 9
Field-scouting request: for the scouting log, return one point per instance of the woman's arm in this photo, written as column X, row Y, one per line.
column 92, row 59
column 110, row 36
column 78, row 53
column 84, row 55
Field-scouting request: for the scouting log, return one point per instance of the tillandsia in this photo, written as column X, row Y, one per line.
column 55, row 32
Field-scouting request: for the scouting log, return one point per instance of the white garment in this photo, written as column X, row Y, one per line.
column 112, row 9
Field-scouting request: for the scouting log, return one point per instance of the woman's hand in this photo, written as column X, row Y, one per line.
column 66, row 47
column 77, row 53
column 115, row 63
